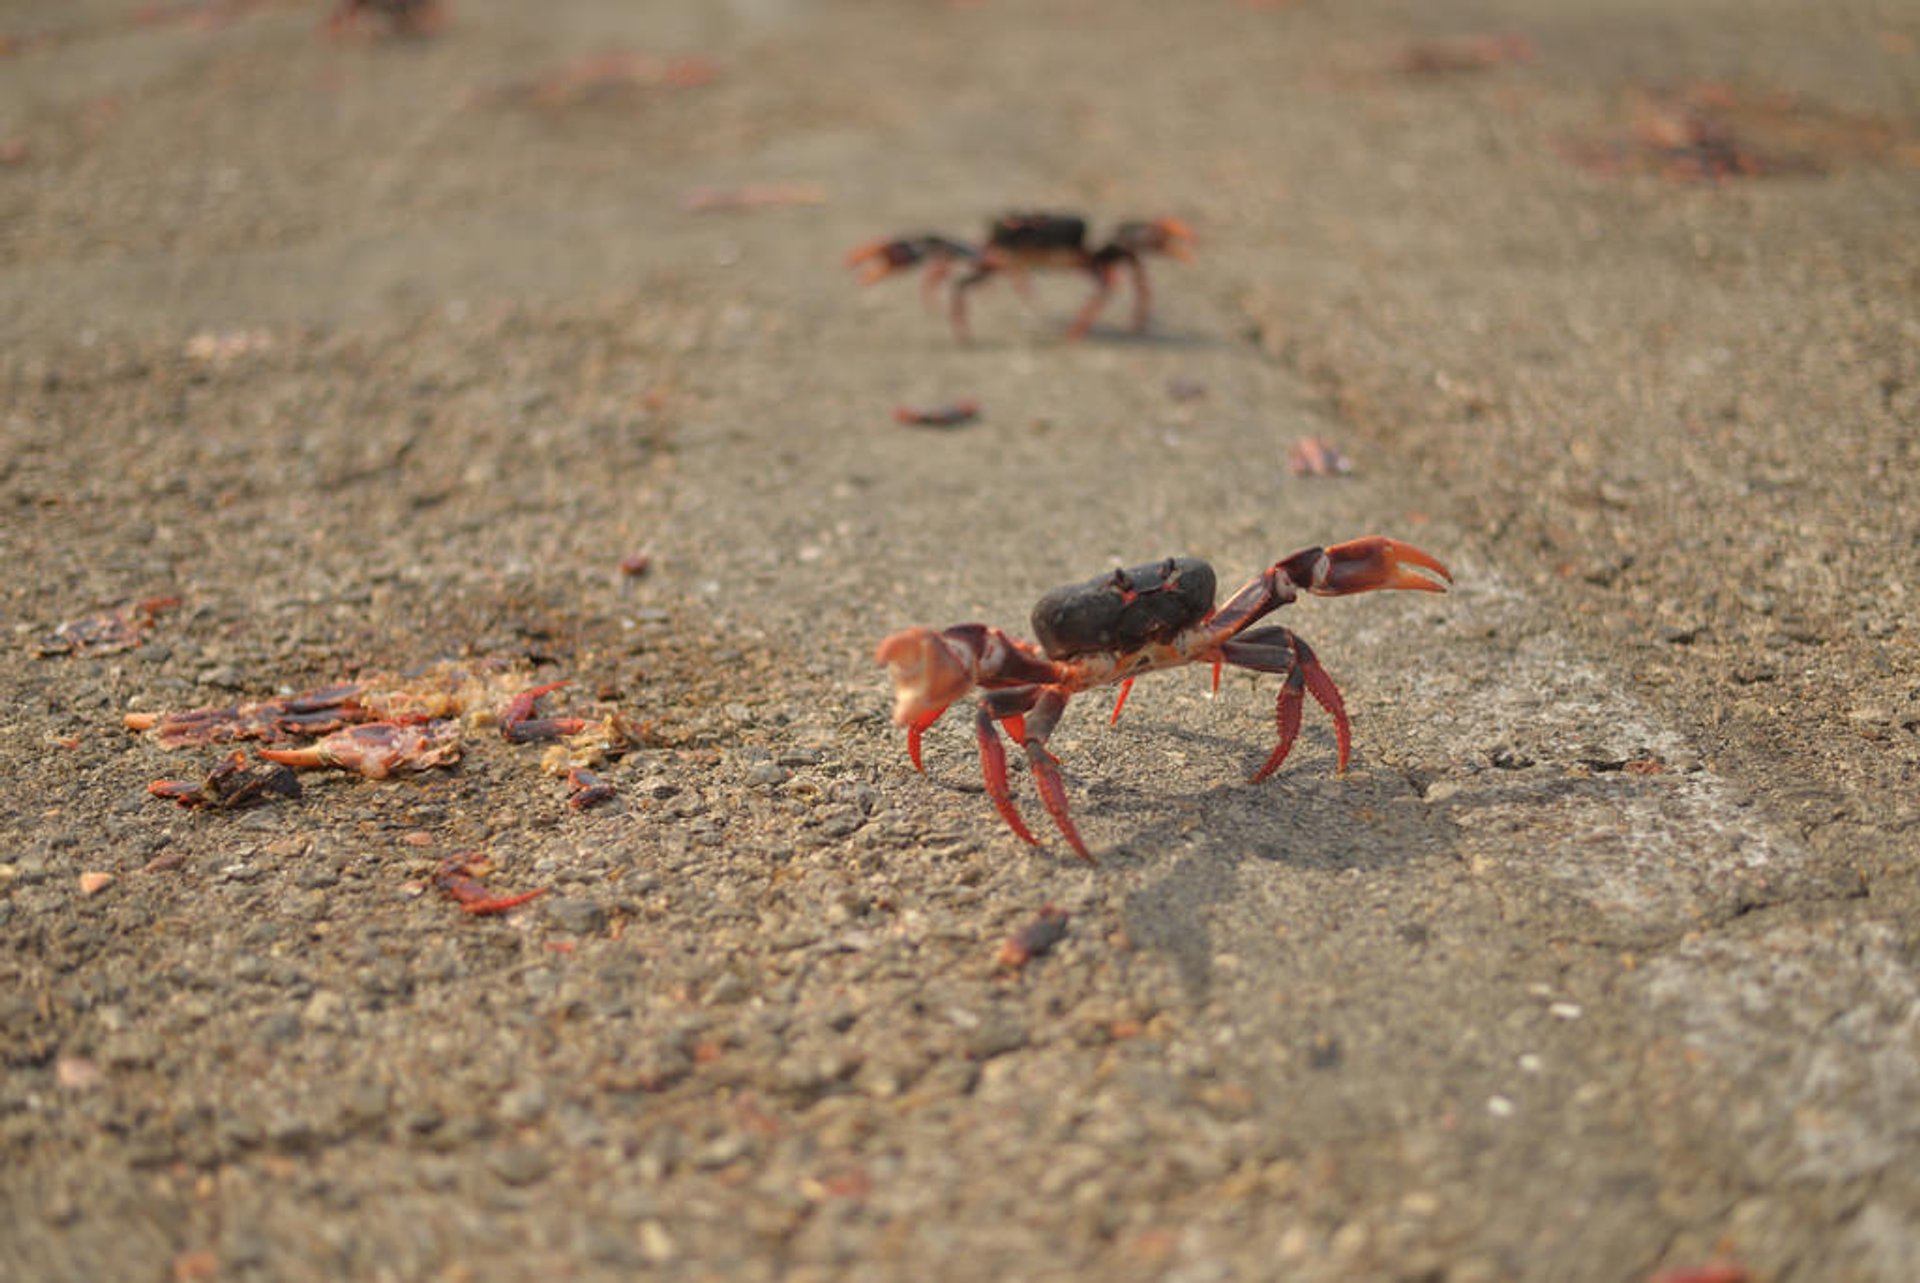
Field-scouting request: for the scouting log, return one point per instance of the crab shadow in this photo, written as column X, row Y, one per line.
column 1196, row 849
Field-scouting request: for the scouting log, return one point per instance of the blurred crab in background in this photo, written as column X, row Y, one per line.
column 1020, row 243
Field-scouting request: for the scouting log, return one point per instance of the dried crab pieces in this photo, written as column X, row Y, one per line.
column 315, row 712
column 384, row 726
column 235, row 782
column 585, row 789
column 377, row 750
column 458, row 876
column 109, row 631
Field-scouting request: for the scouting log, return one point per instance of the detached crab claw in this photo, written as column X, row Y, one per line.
column 1371, row 564
column 378, row 749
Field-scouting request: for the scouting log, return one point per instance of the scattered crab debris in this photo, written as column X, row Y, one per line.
column 218, row 347
column 1034, row 939
column 1465, row 53
column 636, row 565
column 448, row 690
column 108, row 632
column 78, row 1073
column 235, row 782
column 314, row 712
column 709, row 200
column 1711, row 1272
column 457, row 874
column 377, row 750
column 1317, row 457
column 378, row 727
column 585, row 789
column 1709, row 133
column 951, row 415
column 518, row 725
column 93, row 883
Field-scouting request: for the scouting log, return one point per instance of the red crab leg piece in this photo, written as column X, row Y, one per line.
column 519, row 725
column 454, row 876
column 520, row 707
column 1120, row 700
column 993, row 765
column 1053, row 792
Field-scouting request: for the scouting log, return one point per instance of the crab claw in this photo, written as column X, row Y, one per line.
column 1371, row 564
column 927, row 671
column 1167, row 236
column 877, row 260
column 378, row 749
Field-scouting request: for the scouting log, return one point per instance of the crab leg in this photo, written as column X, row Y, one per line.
column 993, row 765
column 1142, row 296
column 1281, row 650
column 958, row 311
column 1030, row 714
column 1090, row 312
column 1286, row 718
column 1053, row 792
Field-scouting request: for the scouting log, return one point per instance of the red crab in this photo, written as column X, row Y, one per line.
column 1119, row 626
column 1027, row 242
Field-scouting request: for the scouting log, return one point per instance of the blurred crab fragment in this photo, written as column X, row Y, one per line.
column 108, row 632
column 1035, row 938
column 1465, row 53
column 1317, row 457
column 234, row 782
column 1705, row 132
column 585, row 789
column 314, row 712
column 457, row 876
column 518, row 725
column 952, row 415
column 377, row 750
column 470, row 690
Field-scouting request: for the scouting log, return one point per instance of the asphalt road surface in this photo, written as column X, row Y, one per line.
column 372, row 356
